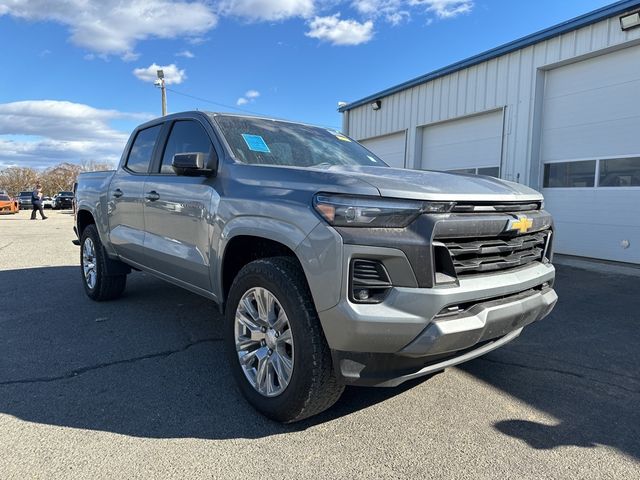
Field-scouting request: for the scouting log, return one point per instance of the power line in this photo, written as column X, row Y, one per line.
column 212, row 102
column 231, row 107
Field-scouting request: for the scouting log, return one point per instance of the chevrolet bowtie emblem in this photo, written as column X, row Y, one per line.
column 522, row 224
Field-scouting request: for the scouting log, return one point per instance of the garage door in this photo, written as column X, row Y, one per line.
column 591, row 155
column 389, row 148
column 470, row 144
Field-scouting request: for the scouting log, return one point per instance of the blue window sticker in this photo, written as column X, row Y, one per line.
column 256, row 143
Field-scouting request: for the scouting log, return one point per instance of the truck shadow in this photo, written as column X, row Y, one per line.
column 579, row 366
column 151, row 364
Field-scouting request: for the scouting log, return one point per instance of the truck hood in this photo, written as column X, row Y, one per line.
column 432, row 185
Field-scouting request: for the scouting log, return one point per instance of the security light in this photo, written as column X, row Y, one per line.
column 630, row 21
column 160, row 73
column 376, row 105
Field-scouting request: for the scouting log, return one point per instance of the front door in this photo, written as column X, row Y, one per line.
column 177, row 210
column 125, row 201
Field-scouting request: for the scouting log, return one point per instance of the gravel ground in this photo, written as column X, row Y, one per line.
column 139, row 388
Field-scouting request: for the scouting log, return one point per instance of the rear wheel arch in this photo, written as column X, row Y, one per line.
column 84, row 219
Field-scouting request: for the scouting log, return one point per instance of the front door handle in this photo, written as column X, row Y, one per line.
column 117, row 193
column 152, row 196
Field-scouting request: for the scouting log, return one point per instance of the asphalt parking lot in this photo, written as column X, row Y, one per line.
column 139, row 388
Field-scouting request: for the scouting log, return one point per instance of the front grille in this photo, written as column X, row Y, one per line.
column 490, row 207
column 491, row 254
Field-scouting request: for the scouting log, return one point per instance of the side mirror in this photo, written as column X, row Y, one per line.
column 195, row 163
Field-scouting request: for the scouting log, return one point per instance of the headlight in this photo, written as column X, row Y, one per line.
column 353, row 211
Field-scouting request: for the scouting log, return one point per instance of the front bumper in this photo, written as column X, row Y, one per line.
column 404, row 336
column 484, row 321
column 390, row 326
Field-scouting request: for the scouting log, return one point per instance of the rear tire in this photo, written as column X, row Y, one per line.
column 311, row 385
column 97, row 284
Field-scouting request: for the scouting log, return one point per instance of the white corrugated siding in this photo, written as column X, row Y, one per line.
column 508, row 81
column 390, row 148
column 590, row 111
column 468, row 142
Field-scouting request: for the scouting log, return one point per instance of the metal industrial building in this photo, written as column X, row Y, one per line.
column 558, row 110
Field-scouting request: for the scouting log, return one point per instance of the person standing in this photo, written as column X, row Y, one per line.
column 36, row 200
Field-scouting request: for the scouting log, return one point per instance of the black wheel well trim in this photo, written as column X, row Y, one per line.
column 84, row 218
column 244, row 249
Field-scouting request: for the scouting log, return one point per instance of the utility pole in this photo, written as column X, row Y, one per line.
column 160, row 83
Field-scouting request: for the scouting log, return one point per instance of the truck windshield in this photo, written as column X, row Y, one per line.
column 271, row 142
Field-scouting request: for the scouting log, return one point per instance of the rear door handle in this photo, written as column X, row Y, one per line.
column 117, row 193
column 152, row 196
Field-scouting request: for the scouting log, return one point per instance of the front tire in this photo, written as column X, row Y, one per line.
column 97, row 284
column 277, row 350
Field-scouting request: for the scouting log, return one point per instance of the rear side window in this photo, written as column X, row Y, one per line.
column 187, row 136
column 142, row 150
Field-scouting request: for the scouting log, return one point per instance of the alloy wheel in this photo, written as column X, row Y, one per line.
column 264, row 342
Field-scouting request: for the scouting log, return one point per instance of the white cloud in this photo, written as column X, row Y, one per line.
column 114, row 26
column 398, row 11
column 172, row 74
column 42, row 133
column 267, row 10
column 249, row 97
column 445, row 8
column 340, row 32
column 130, row 56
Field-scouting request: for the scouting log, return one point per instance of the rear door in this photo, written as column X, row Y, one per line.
column 177, row 209
column 125, row 202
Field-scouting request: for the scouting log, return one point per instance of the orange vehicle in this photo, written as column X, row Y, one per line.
column 8, row 205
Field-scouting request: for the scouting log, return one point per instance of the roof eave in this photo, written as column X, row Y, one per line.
column 537, row 37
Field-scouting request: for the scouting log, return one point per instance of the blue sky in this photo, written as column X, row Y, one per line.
column 78, row 74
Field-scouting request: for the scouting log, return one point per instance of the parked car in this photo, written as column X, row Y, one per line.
column 8, row 205
column 331, row 267
column 47, row 202
column 63, row 200
column 24, row 200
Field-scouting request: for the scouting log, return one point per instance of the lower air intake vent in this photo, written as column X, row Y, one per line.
column 369, row 281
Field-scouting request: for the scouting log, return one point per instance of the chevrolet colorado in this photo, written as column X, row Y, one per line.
column 331, row 268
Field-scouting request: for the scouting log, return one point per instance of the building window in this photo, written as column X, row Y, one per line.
column 570, row 174
column 619, row 172
column 490, row 171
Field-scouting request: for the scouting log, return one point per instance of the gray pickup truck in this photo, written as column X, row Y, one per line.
column 330, row 267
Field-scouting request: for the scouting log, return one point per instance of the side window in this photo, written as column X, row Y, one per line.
column 187, row 136
column 142, row 149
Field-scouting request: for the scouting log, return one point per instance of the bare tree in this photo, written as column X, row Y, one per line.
column 17, row 179
column 55, row 179
column 59, row 178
